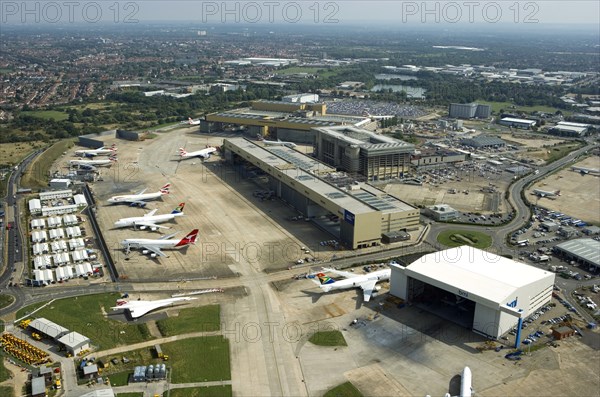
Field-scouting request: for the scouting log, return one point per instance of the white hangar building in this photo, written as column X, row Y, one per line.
column 476, row 289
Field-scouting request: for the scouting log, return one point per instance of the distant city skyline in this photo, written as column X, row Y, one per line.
column 429, row 14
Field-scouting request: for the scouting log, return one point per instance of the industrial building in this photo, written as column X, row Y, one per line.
column 517, row 123
column 363, row 212
column 48, row 328
column 56, row 194
column 584, row 251
column 476, row 289
column 440, row 212
column 469, row 110
column 356, row 150
column 565, row 128
column 74, row 342
column 38, row 387
column 434, row 156
column 482, row 141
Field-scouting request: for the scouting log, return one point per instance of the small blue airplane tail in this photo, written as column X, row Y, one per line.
column 179, row 209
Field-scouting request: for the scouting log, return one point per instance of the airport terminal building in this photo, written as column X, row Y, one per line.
column 357, row 214
column 476, row 289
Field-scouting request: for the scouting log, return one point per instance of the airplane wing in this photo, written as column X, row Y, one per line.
column 138, row 202
column 340, row 273
column 150, row 224
column 368, row 287
column 168, row 236
column 153, row 249
column 142, row 191
column 151, row 212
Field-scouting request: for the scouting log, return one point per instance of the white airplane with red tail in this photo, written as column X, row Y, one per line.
column 153, row 247
column 140, row 197
column 204, row 153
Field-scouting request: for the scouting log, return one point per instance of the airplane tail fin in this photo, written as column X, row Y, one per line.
column 179, row 209
column 190, row 121
column 182, row 152
column 165, row 189
column 121, row 302
column 189, row 239
column 325, row 279
column 557, row 192
column 113, row 158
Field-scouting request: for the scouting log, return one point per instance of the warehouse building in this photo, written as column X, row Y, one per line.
column 566, row 128
column 74, row 342
column 35, row 206
column 56, row 194
column 62, row 209
column 584, row 251
column 38, row 387
column 476, row 289
column 441, row 212
column 469, row 110
column 517, row 123
column 482, row 141
column 37, row 223
column 432, row 157
column 355, row 150
column 364, row 212
column 48, row 328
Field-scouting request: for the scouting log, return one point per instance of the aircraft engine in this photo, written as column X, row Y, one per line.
column 153, row 255
column 142, row 227
column 145, row 252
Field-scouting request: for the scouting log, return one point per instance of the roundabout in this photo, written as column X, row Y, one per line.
column 456, row 237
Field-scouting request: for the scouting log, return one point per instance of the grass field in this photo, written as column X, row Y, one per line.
column 6, row 391
column 344, row 390
column 12, row 153
column 36, row 175
column 130, row 395
column 84, row 314
column 560, row 151
column 199, row 359
column 47, row 114
column 213, row 391
column 6, row 300
column 120, row 379
column 191, row 360
column 328, row 338
column 455, row 238
column 507, row 106
column 195, row 319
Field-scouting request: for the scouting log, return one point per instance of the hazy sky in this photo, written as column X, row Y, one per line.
column 345, row 11
column 425, row 13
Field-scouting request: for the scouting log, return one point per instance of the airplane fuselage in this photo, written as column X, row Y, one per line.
column 94, row 152
column 199, row 153
column 125, row 222
column 134, row 197
column 91, row 162
column 379, row 275
column 134, row 243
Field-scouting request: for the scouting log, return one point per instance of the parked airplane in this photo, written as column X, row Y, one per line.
column 279, row 143
column 153, row 247
column 97, row 152
column 204, row 153
column 544, row 193
column 92, row 164
column 139, row 308
column 140, row 197
column 366, row 281
column 366, row 113
column 150, row 220
column 466, row 390
column 193, row 122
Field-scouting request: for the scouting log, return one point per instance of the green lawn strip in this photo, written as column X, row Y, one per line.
column 328, row 338
column 195, row 319
column 344, row 390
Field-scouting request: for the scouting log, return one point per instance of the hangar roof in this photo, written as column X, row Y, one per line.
column 584, row 248
column 477, row 272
